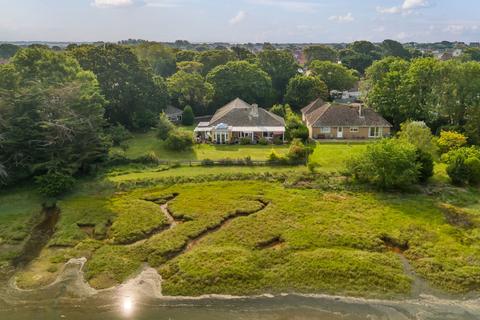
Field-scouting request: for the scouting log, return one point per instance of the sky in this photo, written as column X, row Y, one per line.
column 240, row 21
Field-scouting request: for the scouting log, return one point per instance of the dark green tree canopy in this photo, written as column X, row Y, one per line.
column 8, row 50
column 395, row 49
column 240, row 79
column 320, row 52
column 161, row 59
column 336, row 76
column 304, row 89
column 213, row 58
column 190, row 89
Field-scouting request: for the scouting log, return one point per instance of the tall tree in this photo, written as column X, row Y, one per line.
column 336, row 76
column 320, row 52
column 281, row 67
column 162, row 59
column 8, row 50
column 303, row 89
column 135, row 97
column 395, row 49
column 240, row 79
column 190, row 89
column 213, row 58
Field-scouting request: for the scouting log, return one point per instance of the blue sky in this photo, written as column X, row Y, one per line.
column 240, row 20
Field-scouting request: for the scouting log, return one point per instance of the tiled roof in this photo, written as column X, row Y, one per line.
column 313, row 106
column 171, row 110
column 330, row 115
column 238, row 113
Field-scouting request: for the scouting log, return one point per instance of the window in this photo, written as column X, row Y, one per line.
column 375, row 132
column 354, row 129
column 268, row 134
column 325, row 130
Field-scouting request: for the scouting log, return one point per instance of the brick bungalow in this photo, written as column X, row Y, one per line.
column 344, row 121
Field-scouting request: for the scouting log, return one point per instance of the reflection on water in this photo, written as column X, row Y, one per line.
column 141, row 299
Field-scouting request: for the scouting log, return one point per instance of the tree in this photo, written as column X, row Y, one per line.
column 8, row 50
column 355, row 60
column 451, row 140
column 190, row 66
column 162, row 59
column 320, row 52
column 179, row 140
column 302, row 90
column 185, row 55
column 294, row 127
column 387, row 164
column 364, row 47
column 164, row 126
column 280, row 66
column 464, row 166
column 335, row 76
column 240, row 79
column 188, row 117
column 190, row 89
column 471, row 54
column 3, row 173
column 213, row 58
column 418, row 134
column 242, row 53
column 135, row 97
column 279, row 110
column 52, row 120
column 395, row 49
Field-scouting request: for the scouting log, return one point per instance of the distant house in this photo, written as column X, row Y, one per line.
column 238, row 120
column 174, row 114
column 343, row 121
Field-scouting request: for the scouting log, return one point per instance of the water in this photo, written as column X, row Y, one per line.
column 141, row 299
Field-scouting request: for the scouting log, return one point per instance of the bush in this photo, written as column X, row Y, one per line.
column 54, row 184
column 117, row 158
column 301, row 132
column 118, row 134
column 426, row 165
column 418, row 134
column 149, row 158
column 188, row 117
column 245, row 141
column 262, row 141
column 464, row 166
column 178, row 140
column 277, row 141
column 207, row 163
column 451, row 140
column 298, row 152
column 275, row 159
column 387, row 164
column 164, row 126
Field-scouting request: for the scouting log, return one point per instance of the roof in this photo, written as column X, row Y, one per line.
column 313, row 106
column 238, row 113
column 172, row 111
column 334, row 114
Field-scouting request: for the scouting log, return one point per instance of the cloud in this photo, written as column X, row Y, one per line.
column 289, row 5
column 346, row 18
column 130, row 3
column 238, row 18
column 113, row 3
column 460, row 28
column 407, row 7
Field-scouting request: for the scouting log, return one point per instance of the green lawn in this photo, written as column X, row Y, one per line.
column 332, row 156
column 144, row 143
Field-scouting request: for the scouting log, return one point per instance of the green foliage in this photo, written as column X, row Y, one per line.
column 8, row 50
column 190, row 89
column 298, row 152
column 335, row 76
column 242, row 53
column 279, row 110
column 162, row 59
column 118, row 134
column 387, row 164
column 451, row 140
column 188, row 117
column 262, row 141
column 245, row 141
column 214, row 58
column 320, row 52
column 240, row 79
column 394, row 49
column 418, row 134
column 426, row 165
column 463, row 165
column 179, row 140
column 135, row 96
column 190, row 66
column 164, row 126
column 303, row 89
column 54, row 184
column 186, row 55
column 280, row 66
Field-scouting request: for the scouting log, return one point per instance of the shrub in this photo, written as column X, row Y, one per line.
column 178, row 140
column 262, row 141
column 118, row 134
column 245, row 141
column 387, row 164
column 277, row 141
column 164, row 126
column 451, row 140
column 248, row 161
column 426, row 165
column 298, row 152
column 117, row 157
column 418, row 134
column 54, row 184
column 149, row 158
column 464, row 166
column 188, row 117
column 207, row 162
column 275, row 159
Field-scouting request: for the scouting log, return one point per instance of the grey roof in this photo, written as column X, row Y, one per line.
column 333, row 114
column 238, row 113
column 172, row 111
column 313, row 106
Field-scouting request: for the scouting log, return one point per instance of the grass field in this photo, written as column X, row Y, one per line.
column 235, row 236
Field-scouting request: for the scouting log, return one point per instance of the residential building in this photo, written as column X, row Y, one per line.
column 239, row 120
column 174, row 114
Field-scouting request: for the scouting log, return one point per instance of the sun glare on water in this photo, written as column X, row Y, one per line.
column 127, row 306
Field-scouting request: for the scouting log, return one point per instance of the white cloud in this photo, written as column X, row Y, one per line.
column 238, row 18
column 407, row 7
column 113, row 3
column 346, row 18
column 460, row 28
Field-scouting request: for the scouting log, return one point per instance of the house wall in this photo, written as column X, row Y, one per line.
column 315, row 133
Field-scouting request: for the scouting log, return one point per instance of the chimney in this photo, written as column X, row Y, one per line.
column 360, row 111
column 254, row 111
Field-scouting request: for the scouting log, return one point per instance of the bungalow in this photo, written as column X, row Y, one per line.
column 238, row 120
column 174, row 114
column 343, row 121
